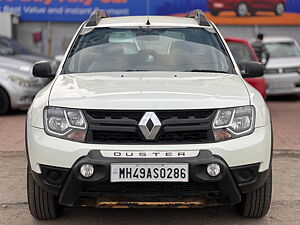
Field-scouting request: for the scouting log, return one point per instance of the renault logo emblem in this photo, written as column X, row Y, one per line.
column 150, row 125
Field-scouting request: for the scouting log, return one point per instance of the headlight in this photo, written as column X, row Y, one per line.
column 68, row 124
column 20, row 82
column 234, row 122
column 26, row 68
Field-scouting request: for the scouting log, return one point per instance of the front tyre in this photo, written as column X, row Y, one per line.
column 242, row 9
column 252, row 12
column 279, row 9
column 256, row 204
column 4, row 102
column 214, row 12
column 42, row 204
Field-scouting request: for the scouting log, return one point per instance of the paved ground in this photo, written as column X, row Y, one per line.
column 286, row 122
column 285, row 208
column 286, row 198
column 12, row 132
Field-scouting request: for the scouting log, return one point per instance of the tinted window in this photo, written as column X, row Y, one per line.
column 240, row 52
column 5, row 50
column 283, row 49
column 14, row 46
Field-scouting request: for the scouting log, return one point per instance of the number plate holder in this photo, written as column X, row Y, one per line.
column 149, row 172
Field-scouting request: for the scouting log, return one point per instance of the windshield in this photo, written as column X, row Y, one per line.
column 147, row 49
column 15, row 47
column 283, row 49
column 240, row 52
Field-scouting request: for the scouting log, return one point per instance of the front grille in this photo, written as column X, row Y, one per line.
column 282, row 70
column 271, row 71
column 291, row 70
column 178, row 127
column 152, row 189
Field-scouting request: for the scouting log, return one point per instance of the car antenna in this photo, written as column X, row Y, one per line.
column 148, row 5
column 148, row 22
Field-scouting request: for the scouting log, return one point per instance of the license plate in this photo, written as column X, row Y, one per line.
column 281, row 85
column 147, row 172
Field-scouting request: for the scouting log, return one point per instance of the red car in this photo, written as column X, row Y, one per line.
column 243, row 52
column 243, row 7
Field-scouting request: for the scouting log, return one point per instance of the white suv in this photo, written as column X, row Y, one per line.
column 148, row 111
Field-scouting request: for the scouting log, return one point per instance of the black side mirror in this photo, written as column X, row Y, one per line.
column 42, row 69
column 251, row 69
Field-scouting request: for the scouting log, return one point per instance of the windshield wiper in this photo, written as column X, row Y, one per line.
column 206, row 71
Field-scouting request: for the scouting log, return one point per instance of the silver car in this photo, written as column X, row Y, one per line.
column 282, row 73
column 12, row 49
column 17, row 86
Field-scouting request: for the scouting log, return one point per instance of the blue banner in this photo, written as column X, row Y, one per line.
column 70, row 10
column 219, row 10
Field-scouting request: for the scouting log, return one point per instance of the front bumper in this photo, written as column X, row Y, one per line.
column 244, row 161
column 201, row 190
column 282, row 84
column 250, row 149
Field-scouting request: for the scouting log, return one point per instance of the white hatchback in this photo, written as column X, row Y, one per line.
column 282, row 73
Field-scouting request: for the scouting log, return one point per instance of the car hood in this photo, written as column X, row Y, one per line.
column 275, row 63
column 32, row 58
column 18, row 68
column 21, row 65
column 148, row 90
column 15, row 66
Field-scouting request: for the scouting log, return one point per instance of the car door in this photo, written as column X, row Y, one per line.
column 262, row 4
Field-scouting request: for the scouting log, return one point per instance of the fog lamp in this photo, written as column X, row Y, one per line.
column 86, row 170
column 213, row 169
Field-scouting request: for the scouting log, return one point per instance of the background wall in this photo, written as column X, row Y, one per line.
column 63, row 32
column 249, row 32
column 64, row 17
column 60, row 34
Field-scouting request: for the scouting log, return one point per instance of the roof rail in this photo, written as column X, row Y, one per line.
column 199, row 16
column 96, row 16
